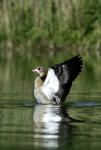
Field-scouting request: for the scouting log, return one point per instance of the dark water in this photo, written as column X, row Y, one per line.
column 74, row 126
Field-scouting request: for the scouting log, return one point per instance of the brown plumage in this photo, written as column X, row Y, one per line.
column 53, row 86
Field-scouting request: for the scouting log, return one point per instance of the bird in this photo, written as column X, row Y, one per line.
column 52, row 86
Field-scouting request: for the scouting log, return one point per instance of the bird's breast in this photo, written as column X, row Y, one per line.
column 39, row 94
column 38, row 83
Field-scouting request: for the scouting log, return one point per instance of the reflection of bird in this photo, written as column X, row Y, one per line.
column 52, row 126
column 53, row 86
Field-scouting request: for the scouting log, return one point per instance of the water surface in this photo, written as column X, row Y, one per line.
column 24, row 125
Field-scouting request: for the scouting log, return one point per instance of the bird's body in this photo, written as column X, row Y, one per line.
column 54, row 85
column 39, row 94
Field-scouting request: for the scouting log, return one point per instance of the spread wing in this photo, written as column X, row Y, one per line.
column 59, row 78
column 51, row 85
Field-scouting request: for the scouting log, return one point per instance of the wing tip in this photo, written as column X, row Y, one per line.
column 79, row 58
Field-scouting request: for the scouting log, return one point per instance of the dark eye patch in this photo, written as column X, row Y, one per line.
column 39, row 68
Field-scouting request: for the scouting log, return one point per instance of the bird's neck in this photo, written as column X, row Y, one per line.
column 42, row 76
column 40, row 80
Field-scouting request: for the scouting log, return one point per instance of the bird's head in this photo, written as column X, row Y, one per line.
column 39, row 70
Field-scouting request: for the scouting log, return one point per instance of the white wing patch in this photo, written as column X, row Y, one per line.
column 51, row 85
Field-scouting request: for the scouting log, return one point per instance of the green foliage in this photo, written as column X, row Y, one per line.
column 25, row 28
column 91, row 14
column 2, row 36
column 44, row 24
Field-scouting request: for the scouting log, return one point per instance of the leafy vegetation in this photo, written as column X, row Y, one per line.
column 30, row 28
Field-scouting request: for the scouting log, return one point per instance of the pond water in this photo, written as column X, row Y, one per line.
column 75, row 125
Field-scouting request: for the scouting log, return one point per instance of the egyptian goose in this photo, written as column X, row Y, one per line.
column 53, row 86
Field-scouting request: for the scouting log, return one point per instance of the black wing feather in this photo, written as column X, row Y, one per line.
column 74, row 66
column 66, row 73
